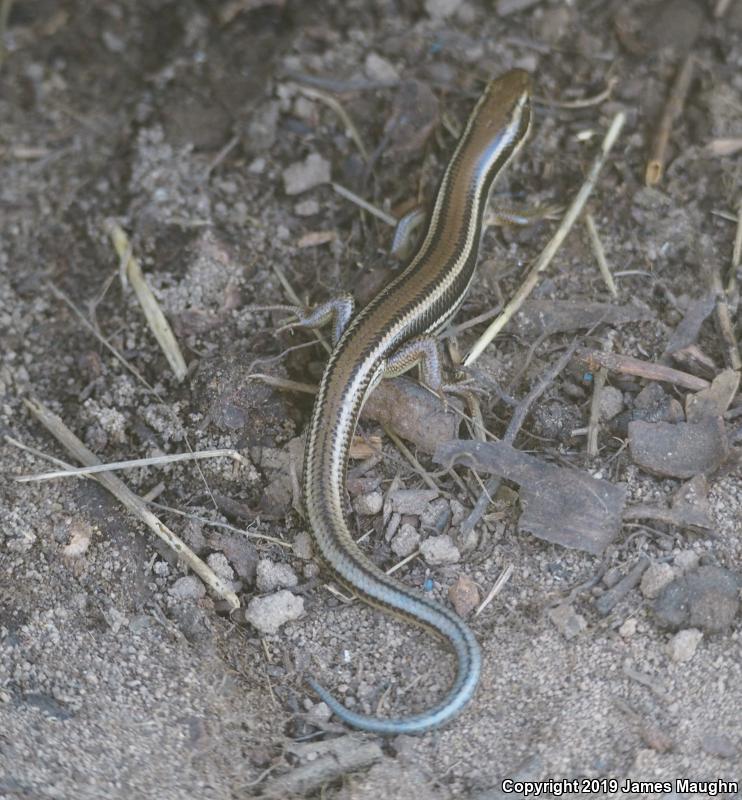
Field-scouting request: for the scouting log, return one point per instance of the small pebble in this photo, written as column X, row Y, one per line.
column 80, row 536
column 319, row 712
column 464, row 595
column 719, row 745
column 611, row 402
column 411, row 501
column 218, row 562
column 189, row 587
column 440, row 550
column 440, row 9
column 269, row 613
column 567, row 621
column 682, row 647
column 628, row 629
column 654, row 580
column 306, row 208
column 405, row 540
column 303, row 546
column 274, row 575
column 379, row 69
column 304, row 175
column 686, row 560
column 368, row 504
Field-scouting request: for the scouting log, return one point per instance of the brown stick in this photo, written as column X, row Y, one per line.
column 628, row 365
column 673, row 109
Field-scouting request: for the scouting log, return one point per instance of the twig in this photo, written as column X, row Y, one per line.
column 405, row 560
column 673, row 109
column 213, row 523
column 219, row 157
column 132, row 464
column 133, row 370
column 721, row 8
column 332, row 103
column 628, row 365
column 724, row 321
column 569, row 219
column 284, row 383
column 584, row 102
column 516, row 422
column 338, row 85
column 723, row 147
column 5, row 6
column 155, row 318
column 407, row 453
column 131, row 501
column 731, row 287
column 502, row 579
column 364, row 204
column 600, row 254
column 594, row 424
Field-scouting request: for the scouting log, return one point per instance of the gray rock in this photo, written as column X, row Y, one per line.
column 189, row 587
column 567, row 621
column 406, row 540
column 267, row 614
column 439, row 550
column 682, row 647
column 274, row 575
column 611, row 402
column 707, row 599
column 685, row 560
column 654, row 580
column 304, row 175
column 411, row 501
column 368, row 504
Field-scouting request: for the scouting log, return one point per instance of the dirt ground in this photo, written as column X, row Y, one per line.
column 179, row 121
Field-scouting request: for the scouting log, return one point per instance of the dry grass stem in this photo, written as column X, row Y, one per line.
column 284, row 383
column 584, row 102
column 132, row 464
column 405, row 560
column 503, row 578
column 548, row 253
column 153, row 313
column 597, row 246
column 731, row 287
column 594, row 424
column 331, row 102
column 364, row 204
column 131, row 501
column 673, row 109
column 214, row 523
column 724, row 147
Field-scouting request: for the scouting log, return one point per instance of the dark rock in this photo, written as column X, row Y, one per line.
column 707, row 599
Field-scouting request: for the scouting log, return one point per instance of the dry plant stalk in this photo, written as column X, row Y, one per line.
column 628, row 365
column 599, row 252
column 155, row 318
column 673, row 109
column 548, row 253
column 133, row 502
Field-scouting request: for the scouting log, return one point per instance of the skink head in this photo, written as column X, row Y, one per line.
column 496, row 129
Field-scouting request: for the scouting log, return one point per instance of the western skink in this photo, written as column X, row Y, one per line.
column 390, row 335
